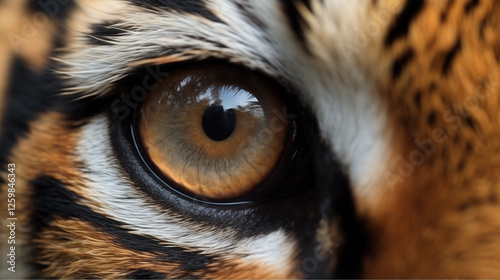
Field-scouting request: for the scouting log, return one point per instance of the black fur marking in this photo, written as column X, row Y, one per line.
column 51, row 199
column 461, row 165
column 444, row 14
column 470, row 122
column 401, row 62
column 401, row 25
column 80, row 110
column 194, row 7
column 418, row 99
column 104, row 33
column 468, row 148
column 351, row 252
column 356, row 237
column 432, row 118
column 471, row 5
column 26, row 98
column 57, row 9
column 482, row 27
column 448, row 61
column 336, row 203
column 478, row 202
column 295, row 19
column 29, row 94
column 352, row 228
column 146, row 274
column 496, row 51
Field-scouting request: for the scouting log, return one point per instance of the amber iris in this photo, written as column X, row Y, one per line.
column 213, row 130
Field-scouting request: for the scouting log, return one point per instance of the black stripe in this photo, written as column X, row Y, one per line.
column 471, row 5
column 194, row 7
column 336, row 204
column 57, row 9
column 356, row 237
column 418, row 99
column 401, row 25
column 444, row 13
column 469, row 121
column 105, row 33
column 432, row 118
column 496, row 52
column 295, row 19
column 450, row 56
column 26, row 98
column 401, row 62
column 146, row 274
column 51, row 199
column 29, row 94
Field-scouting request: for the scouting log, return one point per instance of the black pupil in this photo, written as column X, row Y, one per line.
column 217, row 123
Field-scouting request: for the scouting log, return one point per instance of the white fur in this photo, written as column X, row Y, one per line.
column 351, row 114
column 113, row 195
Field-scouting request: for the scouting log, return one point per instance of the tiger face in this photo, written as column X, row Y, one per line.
column 239, row 139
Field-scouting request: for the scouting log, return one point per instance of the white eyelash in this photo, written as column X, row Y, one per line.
column 91, row 69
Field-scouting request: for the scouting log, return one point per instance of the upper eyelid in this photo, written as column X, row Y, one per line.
column 143, row 78
column 112, row 49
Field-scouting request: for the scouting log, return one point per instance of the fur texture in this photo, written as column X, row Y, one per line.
column 397, row 122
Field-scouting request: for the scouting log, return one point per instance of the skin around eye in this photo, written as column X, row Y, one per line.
column 213, row 130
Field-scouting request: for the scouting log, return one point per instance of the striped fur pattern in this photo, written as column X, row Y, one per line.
column 398, row 105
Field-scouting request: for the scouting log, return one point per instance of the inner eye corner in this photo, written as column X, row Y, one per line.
column 212, row 139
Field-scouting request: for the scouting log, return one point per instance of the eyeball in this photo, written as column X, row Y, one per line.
column 212, row 130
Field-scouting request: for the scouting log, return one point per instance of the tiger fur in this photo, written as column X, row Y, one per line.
column 398, row 105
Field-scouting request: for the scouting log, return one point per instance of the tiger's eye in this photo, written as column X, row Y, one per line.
column 213, row 130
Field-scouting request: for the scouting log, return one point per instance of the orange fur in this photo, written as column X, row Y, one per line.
column 75, row 249
column 19, row 36
column 443, row 219
column 47, row 150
